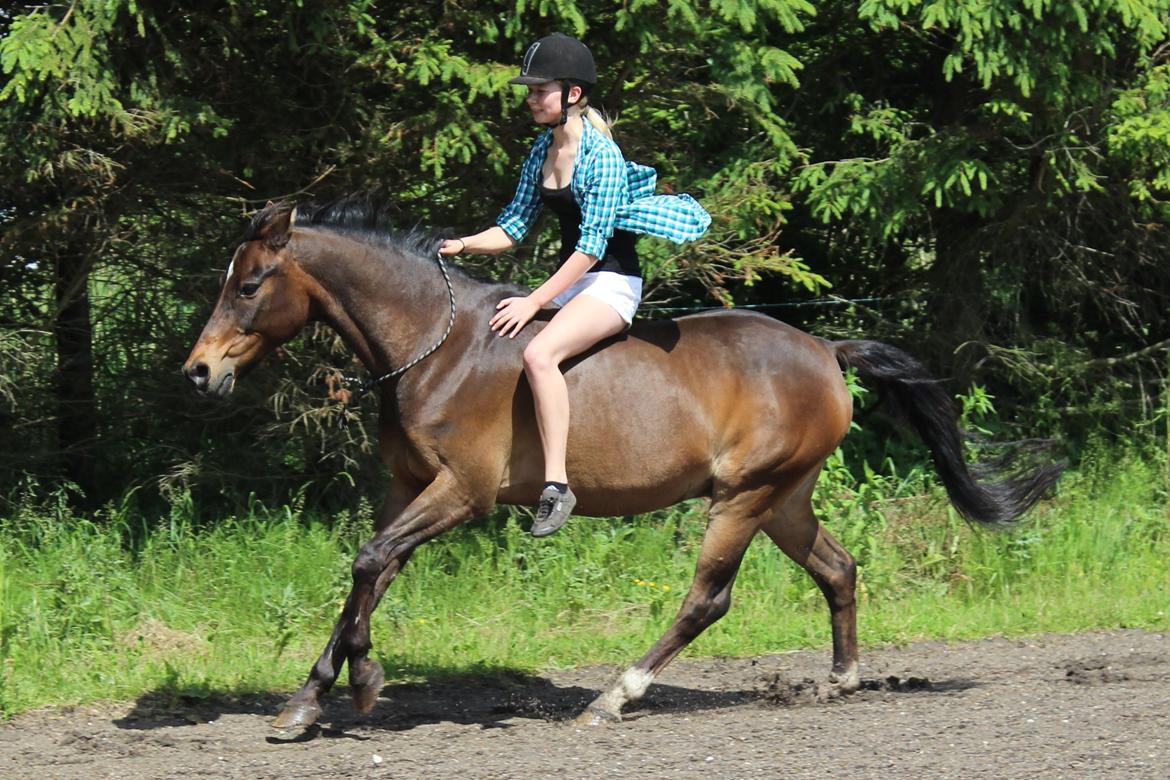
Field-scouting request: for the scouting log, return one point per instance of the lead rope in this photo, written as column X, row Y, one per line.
column 368, row 385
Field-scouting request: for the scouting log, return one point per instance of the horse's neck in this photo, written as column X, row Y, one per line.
column 383, row 307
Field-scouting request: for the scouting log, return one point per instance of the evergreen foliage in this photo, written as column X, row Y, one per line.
column 996, row 172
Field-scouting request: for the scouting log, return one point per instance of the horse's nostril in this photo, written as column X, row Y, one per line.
column 199, row 374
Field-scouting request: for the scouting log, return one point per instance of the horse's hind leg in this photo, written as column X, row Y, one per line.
column 727, row 537
column 796, row 530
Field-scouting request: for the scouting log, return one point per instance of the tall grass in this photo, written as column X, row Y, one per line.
column 113, row 606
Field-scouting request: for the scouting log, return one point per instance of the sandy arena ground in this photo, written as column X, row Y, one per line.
column 1091, row 705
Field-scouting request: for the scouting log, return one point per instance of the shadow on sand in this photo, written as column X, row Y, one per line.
column 489, row 700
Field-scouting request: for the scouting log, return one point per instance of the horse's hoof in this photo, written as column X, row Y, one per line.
column 595, row 716
column 365, row 685
column 297, row 716
column 845, row 682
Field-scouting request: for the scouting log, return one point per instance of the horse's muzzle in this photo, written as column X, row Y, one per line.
column 200, row 375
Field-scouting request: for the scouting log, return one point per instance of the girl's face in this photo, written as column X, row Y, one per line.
column 544, row 100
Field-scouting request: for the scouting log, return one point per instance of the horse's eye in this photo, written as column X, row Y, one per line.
column 248, row 289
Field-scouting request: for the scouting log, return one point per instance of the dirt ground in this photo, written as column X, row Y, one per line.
column 1092, row 705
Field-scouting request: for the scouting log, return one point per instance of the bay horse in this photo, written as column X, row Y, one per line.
column 729, row 405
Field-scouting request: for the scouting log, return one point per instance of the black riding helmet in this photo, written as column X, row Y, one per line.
column 558, row 57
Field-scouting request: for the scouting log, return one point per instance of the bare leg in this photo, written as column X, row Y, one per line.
column 796, row 531
column 438, row 508
column 580, row 324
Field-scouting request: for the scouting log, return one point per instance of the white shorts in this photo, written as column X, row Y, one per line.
column 623, row 293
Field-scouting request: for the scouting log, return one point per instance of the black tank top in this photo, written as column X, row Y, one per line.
column 620, row 253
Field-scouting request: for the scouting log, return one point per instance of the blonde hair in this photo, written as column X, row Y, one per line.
column 601, row 123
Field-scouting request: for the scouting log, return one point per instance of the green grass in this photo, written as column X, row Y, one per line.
column 96, row 609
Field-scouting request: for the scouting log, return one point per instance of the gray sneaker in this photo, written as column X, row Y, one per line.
column 552, row 511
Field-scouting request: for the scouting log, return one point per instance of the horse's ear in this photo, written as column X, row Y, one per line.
column 277, row 231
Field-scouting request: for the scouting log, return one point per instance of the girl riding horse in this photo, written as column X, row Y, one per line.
column 602, row 202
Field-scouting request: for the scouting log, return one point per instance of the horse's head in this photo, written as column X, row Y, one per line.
column 264, row 302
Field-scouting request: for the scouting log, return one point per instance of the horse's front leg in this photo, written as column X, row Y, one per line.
column 443, row 505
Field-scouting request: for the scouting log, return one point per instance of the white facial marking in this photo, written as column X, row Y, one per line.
column 232, row 265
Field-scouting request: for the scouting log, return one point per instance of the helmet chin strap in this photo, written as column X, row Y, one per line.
column 565, row 87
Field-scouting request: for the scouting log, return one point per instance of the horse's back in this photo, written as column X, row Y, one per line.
column 724, row 345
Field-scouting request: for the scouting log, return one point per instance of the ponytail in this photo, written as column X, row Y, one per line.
column 601, row 123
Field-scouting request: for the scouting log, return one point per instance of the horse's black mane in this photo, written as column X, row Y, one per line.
column 358, row 215
column 355, row 214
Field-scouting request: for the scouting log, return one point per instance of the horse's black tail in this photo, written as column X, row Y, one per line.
column 922, row 402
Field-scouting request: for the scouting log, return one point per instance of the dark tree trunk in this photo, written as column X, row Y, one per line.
column 76, row 402
column 958, row 298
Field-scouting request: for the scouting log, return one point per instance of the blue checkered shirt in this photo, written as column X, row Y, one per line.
column 613, row 195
